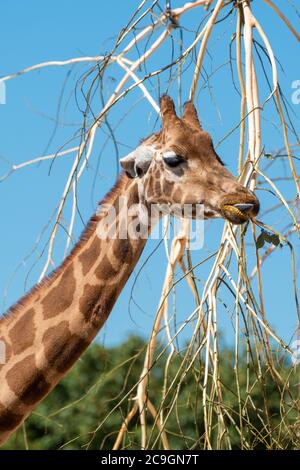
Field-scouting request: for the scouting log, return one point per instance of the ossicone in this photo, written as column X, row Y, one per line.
column 190, row 114
column 167, row 108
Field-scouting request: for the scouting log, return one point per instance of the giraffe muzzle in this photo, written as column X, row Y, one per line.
column 241, row 212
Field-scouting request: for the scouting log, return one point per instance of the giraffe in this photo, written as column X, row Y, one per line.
column 48, row 329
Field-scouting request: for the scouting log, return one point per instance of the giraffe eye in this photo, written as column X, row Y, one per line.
column 173, row 161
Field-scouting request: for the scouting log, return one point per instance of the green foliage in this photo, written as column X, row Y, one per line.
column 266, row 237
column 86, row 410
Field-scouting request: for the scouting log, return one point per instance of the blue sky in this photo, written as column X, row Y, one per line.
column 41, row 115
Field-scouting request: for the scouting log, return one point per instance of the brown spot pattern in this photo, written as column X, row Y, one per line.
column 89, row 300
column 62, row 348
column 23, row 333
column 122, row 250
column 168, row 188
column 105, row 306
column 8, row 419
column 27, row 382
column 105, row 269
column 60, row 297
column 89, row 256
column 177, row 196
column 157, row 186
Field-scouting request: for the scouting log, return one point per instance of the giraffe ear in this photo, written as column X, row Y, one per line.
column 136, row 164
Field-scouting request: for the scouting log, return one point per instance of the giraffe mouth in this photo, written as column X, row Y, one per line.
column 241, row 212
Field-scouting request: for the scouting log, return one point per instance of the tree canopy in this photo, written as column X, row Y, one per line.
column 86, row 410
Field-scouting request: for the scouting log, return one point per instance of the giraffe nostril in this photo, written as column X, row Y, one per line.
column 141, row 167
column 139, row 171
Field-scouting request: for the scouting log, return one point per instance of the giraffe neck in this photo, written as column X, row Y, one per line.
column 47, row 330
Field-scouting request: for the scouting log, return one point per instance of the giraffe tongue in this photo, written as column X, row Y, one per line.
column 243, row 207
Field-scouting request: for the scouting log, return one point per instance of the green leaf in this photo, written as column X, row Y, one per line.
column 267, row 237
column 261, row 240
column 269, row 156
column 274, row 239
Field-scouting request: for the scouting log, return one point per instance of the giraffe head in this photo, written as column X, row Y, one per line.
column 179, row 165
